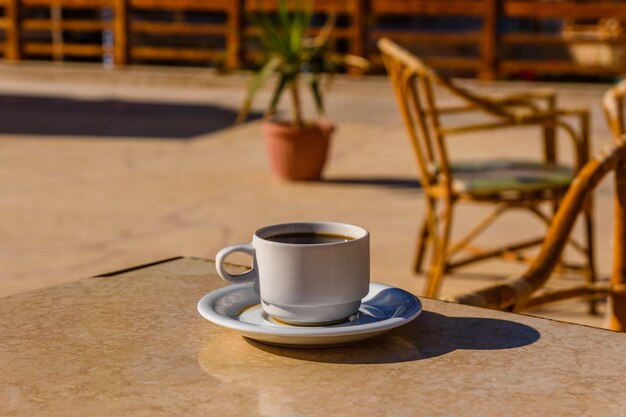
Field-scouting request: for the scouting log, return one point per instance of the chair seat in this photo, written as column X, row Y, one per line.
column 486, row 177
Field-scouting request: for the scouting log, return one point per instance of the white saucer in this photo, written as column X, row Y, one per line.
column 238, row 308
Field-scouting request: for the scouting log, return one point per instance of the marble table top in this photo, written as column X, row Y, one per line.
column 133, row 344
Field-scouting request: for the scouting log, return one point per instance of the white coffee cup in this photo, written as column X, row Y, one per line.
column 306, row 283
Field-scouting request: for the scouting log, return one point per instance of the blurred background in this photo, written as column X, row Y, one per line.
column 490, row 39
column 117, row 143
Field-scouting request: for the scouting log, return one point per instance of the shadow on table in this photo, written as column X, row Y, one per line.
column 111, row 118
column 428, row 336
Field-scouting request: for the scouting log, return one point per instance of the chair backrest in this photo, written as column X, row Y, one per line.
column 613, row 103
column 413, row 82
column 516, row 294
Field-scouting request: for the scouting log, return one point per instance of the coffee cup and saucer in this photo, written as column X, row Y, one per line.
column 309, row 286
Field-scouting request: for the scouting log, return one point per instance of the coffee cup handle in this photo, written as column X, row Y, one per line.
column 249, row 276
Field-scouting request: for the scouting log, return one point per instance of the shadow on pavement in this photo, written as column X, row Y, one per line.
column 110, row 118
column 375, row 181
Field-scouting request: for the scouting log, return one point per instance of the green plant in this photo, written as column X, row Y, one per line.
column 290, row 56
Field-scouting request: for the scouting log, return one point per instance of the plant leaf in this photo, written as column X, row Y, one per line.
column 284, row 39
column 357, row 62
column 280, row 87
column 283, row 13
column 300, row 23
column 322, row 37
column 255, row 84
column 270, row 34
column 314, row 83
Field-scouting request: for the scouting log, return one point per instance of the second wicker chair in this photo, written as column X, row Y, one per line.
column 505, row 184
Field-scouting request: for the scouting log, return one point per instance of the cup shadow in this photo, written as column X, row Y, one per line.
column 428, row 336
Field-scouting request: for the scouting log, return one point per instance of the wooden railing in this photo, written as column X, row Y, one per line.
column 481, row 38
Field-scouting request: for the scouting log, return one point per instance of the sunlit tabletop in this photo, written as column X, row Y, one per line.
column 133, row 344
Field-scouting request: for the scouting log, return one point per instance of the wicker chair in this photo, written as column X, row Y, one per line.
column 529, row 290
column 507, row 184
column 614, row 108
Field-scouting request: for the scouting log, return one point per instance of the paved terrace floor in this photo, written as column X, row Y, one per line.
column 77, row 203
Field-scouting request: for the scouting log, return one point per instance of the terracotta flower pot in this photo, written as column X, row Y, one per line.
column 297, row 153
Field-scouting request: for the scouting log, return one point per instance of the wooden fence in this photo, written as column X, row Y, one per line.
column 484, row 38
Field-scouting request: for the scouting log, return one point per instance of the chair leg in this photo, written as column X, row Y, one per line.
column 440, row 251
column 617, row 301
column 423, row 240
column 591, row 268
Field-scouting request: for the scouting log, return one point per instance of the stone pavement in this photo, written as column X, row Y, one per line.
column 77, row 206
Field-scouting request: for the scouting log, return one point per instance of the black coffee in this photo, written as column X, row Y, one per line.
column 309, row 238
